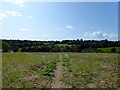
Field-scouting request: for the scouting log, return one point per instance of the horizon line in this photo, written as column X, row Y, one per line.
column 60, row 40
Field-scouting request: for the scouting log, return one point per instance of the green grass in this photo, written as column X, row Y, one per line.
column 91, row 70
column 108, row 49
column 80, row 70
column 46, row 43
column 28, row 70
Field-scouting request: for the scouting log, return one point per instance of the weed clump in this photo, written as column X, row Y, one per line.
column 50, row 69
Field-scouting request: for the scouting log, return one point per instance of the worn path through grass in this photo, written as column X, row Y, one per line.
column 58, row 75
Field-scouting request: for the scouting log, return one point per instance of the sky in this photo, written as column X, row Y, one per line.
column 59, row 20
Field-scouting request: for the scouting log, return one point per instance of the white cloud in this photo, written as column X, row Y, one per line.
column 96, row 34
column 110, row 35
column 70, row 27
column 13, row 13
column 30, row 17
column 99, row 35
column 3, row 15
column 17, row 2
column 24, row 29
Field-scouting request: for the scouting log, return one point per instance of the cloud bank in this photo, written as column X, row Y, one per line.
column 99, row 35
column 16, row 2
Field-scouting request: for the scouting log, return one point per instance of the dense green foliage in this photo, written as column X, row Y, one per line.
column 110, row 49
column 113, row 50
column 50, row 69
column 6, row 46
column 61, row 46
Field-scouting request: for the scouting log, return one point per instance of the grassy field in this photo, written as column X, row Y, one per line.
column 90, row 70
column 80, row 70
column 65, row 45
column 28, row 70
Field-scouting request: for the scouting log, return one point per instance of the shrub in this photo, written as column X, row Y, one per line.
column 50, row 69
column 113, row 50
column 6, row 46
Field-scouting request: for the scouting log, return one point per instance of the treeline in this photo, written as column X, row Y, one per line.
column 58, row 46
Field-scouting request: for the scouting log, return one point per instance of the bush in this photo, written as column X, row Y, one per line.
column 113, row 50
column 91, row 50
column 6, row 46
column 50, row 69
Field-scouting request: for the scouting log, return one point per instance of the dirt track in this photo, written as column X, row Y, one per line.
column 58, row 75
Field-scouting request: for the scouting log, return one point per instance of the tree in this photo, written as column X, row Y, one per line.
column 66, row 49
column 52, row 46
column 6, row 46
column 104, row 43
column 55, row 49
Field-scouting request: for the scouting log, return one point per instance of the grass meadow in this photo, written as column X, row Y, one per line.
column 91, row 70
column 80, row 70
column 28, row 70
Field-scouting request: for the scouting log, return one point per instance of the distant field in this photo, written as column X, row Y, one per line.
column 80, row 70
column 65, row 45
column 108, row 49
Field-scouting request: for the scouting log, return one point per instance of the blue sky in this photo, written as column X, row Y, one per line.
column 58, row 21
